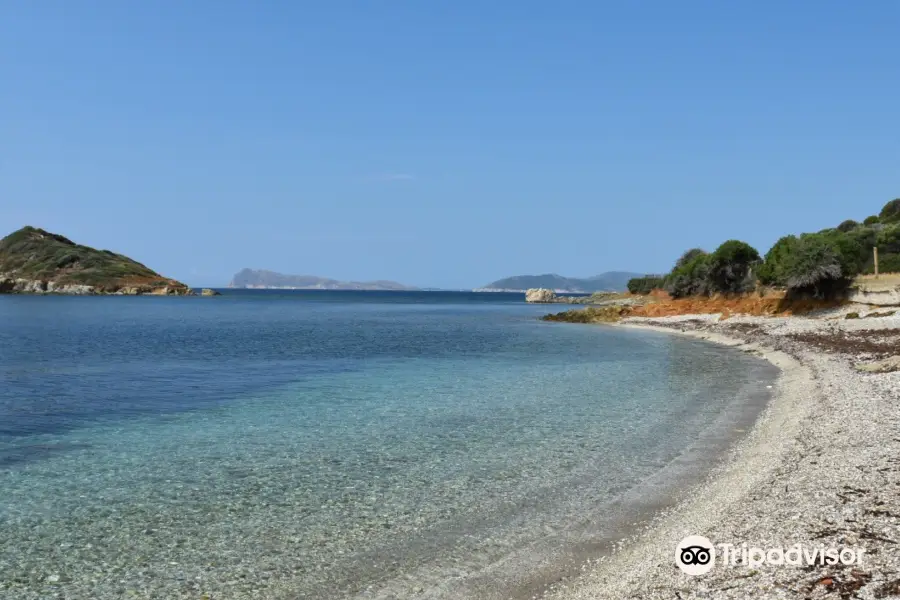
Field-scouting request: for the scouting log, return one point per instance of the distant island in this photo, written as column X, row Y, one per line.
column 611, row 281
column 262, row 279
column 34, row 261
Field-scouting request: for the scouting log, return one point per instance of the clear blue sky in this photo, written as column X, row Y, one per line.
column 443, row 143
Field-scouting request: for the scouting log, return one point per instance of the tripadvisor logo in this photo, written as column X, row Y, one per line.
column 696, row 555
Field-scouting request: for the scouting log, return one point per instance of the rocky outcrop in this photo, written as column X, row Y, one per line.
column 540, row 295
column 862, row 294
column 209, row 292
column 10, row 285
column 591, row 314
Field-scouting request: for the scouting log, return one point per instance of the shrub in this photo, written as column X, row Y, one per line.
column 813, row 267
column 731, row 267
column 890, row 212
column 888, row 239
column 850, row 253
column 644, row 285
column 690, row 278
column 887, row 263
column 848, row 225
column 772, row 271
column 865, row 236
column 688, row 256
column 871, row 220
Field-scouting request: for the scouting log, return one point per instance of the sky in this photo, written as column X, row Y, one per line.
column 442, row 143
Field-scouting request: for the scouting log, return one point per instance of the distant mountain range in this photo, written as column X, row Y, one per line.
column 262, row 279
column 611, row 281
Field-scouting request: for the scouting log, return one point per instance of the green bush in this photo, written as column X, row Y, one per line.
column 688, row 256
column 690, row 278
column 888, row 239
column 871, row 220
column 887, row 263
column 772, row 270
column 848, row 225
column 645, row 285
column 731, row 267
column 850, row 252
column 890, row 212
column 865, row 236
column 813, row 267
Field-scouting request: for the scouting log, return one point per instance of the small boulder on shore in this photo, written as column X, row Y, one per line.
column 888, row 365
column 540, row 295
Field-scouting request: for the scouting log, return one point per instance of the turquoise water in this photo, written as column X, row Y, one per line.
column 336, row 444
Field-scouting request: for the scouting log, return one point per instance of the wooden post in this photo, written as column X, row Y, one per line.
column 875, row 250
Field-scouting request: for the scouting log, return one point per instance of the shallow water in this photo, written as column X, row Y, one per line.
column 332, row 444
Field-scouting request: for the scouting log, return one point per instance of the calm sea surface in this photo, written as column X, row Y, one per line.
column 337, row 444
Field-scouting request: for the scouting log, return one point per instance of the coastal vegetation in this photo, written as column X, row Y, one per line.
column 798, row 274
column 645, row 285
column 818, row 265
column 35, row 260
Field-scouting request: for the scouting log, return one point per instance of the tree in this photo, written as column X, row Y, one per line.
column 850, row 252
column 689, row 278
column 731, row 267
column 871, row 220
column 890, row 212
column 688, row 256
column 772, row 270
column 888, row 239
column 644, row 285
column 813, row 267
column 847, row 225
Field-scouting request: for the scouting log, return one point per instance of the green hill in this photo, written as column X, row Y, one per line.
column 34, row 260
column 611, row 281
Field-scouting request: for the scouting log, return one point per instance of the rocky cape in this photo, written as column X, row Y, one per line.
column 547, row 296
column 262, row 279
column 35, row 261
column 611, row 281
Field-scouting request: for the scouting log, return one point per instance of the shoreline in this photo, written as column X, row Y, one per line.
column 768, row 491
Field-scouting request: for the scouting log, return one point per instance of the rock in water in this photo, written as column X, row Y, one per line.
column 540, row 295
column 209, row 292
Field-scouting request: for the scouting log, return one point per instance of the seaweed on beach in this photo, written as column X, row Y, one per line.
column 746, row 328
column 874, row 342
column 888, row 589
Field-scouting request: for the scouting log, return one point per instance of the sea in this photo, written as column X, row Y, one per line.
column 340, row 444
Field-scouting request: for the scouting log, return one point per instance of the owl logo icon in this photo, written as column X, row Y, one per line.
column 695, row 555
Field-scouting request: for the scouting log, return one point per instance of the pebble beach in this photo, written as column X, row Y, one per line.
column 821, row 467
